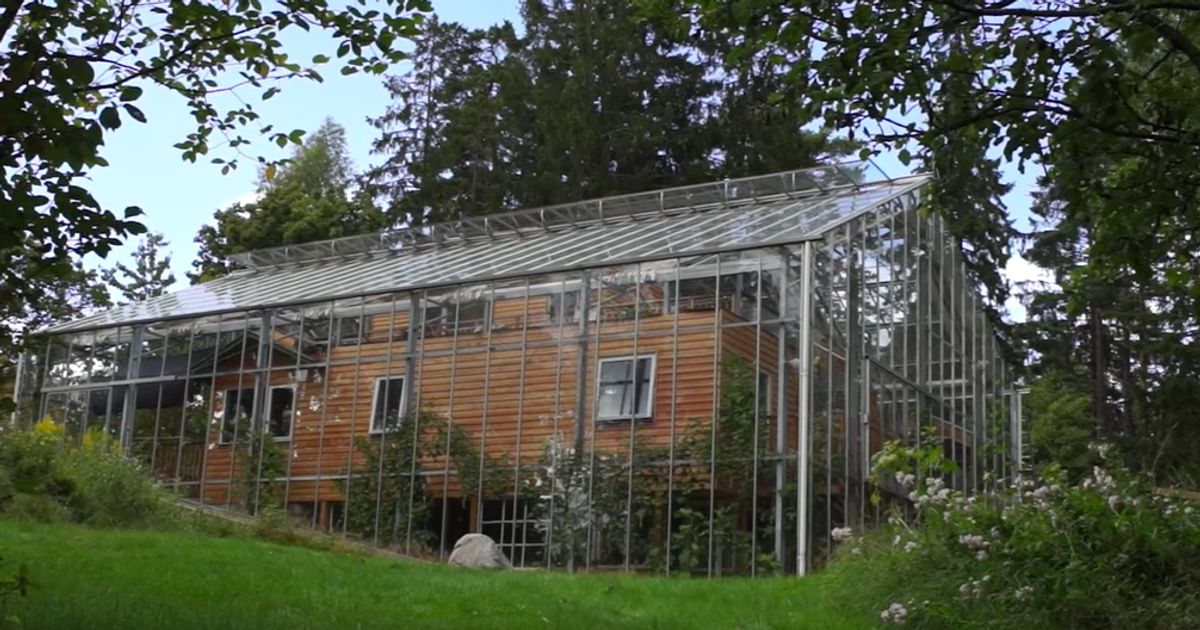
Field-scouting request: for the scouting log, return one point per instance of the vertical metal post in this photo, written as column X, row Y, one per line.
column 212, row 400
column 162, row 370
column 15, row 418
column 416, row 324
column 183, row 408
column 487, row 386
column 716, row 414
column 520, row 427
column 129, row 410
column 637, row 318
column 326, row 374
column 804, row 410
column 44, row 403
column 387, row 385
column 295, row 412
column 851, row 488
column 581, row 360
column 449, row 454
column 262, row 404
column 593, row 417
column 548, row 543
column 674, row 406
column 759, row 397
column 364, row 335
column 781, row 406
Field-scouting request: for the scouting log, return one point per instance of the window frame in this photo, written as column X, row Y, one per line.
column 225, row 410
column 375, row 391
column 766, row 397
column 649, row 414
column 267, row 408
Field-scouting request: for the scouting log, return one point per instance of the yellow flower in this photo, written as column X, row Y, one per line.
column 47, row 426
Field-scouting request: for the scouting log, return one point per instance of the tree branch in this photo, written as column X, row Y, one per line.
column 1172, row 35
column 1003, row 9
column 11, row 9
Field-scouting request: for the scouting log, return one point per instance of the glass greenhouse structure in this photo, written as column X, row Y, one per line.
column 691, row 380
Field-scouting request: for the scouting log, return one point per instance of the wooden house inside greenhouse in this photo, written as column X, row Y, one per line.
column 685, row 380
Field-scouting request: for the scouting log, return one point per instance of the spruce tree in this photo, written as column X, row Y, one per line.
column 150, row 275
column 590, row 100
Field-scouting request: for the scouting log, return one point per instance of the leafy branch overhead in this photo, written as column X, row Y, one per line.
column 73, row 72
column 969, row 83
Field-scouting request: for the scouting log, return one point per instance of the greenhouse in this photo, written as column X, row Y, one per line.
column 692, row 380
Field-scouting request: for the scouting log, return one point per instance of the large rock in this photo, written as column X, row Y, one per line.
column 478, row 551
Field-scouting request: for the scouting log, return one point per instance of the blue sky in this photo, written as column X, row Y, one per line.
column 178, row 197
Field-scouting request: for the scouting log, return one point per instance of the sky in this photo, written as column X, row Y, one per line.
column 179, row 197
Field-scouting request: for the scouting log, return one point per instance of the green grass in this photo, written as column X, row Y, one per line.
column 88, row 578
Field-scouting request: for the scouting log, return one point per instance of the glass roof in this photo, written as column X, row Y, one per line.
column 336, row 269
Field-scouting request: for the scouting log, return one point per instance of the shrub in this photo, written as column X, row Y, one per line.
column 44, row 477
column 387, row 497
column 109, row 489
column 27, row 462
column 1107, row 552
column 36, row 508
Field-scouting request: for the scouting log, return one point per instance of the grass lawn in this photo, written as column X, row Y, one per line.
column 87, row 578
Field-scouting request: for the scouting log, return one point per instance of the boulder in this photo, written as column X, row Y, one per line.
column 478, row 551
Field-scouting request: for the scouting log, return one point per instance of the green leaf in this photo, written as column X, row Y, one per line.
column 135, row 113
column 131, row 93
column 110, row 117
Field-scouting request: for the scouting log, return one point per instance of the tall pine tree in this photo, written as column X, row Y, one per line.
column 590, row 100
column 150, row 275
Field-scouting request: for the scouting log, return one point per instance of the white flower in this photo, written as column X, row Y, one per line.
column 981, row 555
column 856, row 551
column 910, row 546
column 1023, row 593
column 841, row 534
column 906, row 479
column 972, row 541
column 896, row 613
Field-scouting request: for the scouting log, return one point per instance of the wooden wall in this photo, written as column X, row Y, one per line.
column 511, row 389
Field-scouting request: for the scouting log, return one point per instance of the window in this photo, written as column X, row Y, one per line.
column 766, row 395
column 624, row 394
column 388, row 404
column 280, row 411
column 235, row 418
column 440, row 319
column 563, row 308
column 349, row 331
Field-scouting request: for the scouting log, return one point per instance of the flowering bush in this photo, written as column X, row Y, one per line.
column 44, row 476
column 1106, row 552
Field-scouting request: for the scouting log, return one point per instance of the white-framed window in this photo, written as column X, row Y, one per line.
column 387, row 405
column 766, row 395
column 281, row 410
column 626, row 392
column 238, row 408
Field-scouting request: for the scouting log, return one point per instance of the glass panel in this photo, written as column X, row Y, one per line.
column 389, row 393
column 279, row 417
column 237, row 410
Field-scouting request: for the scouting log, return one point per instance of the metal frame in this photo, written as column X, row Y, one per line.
column 858, row 309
